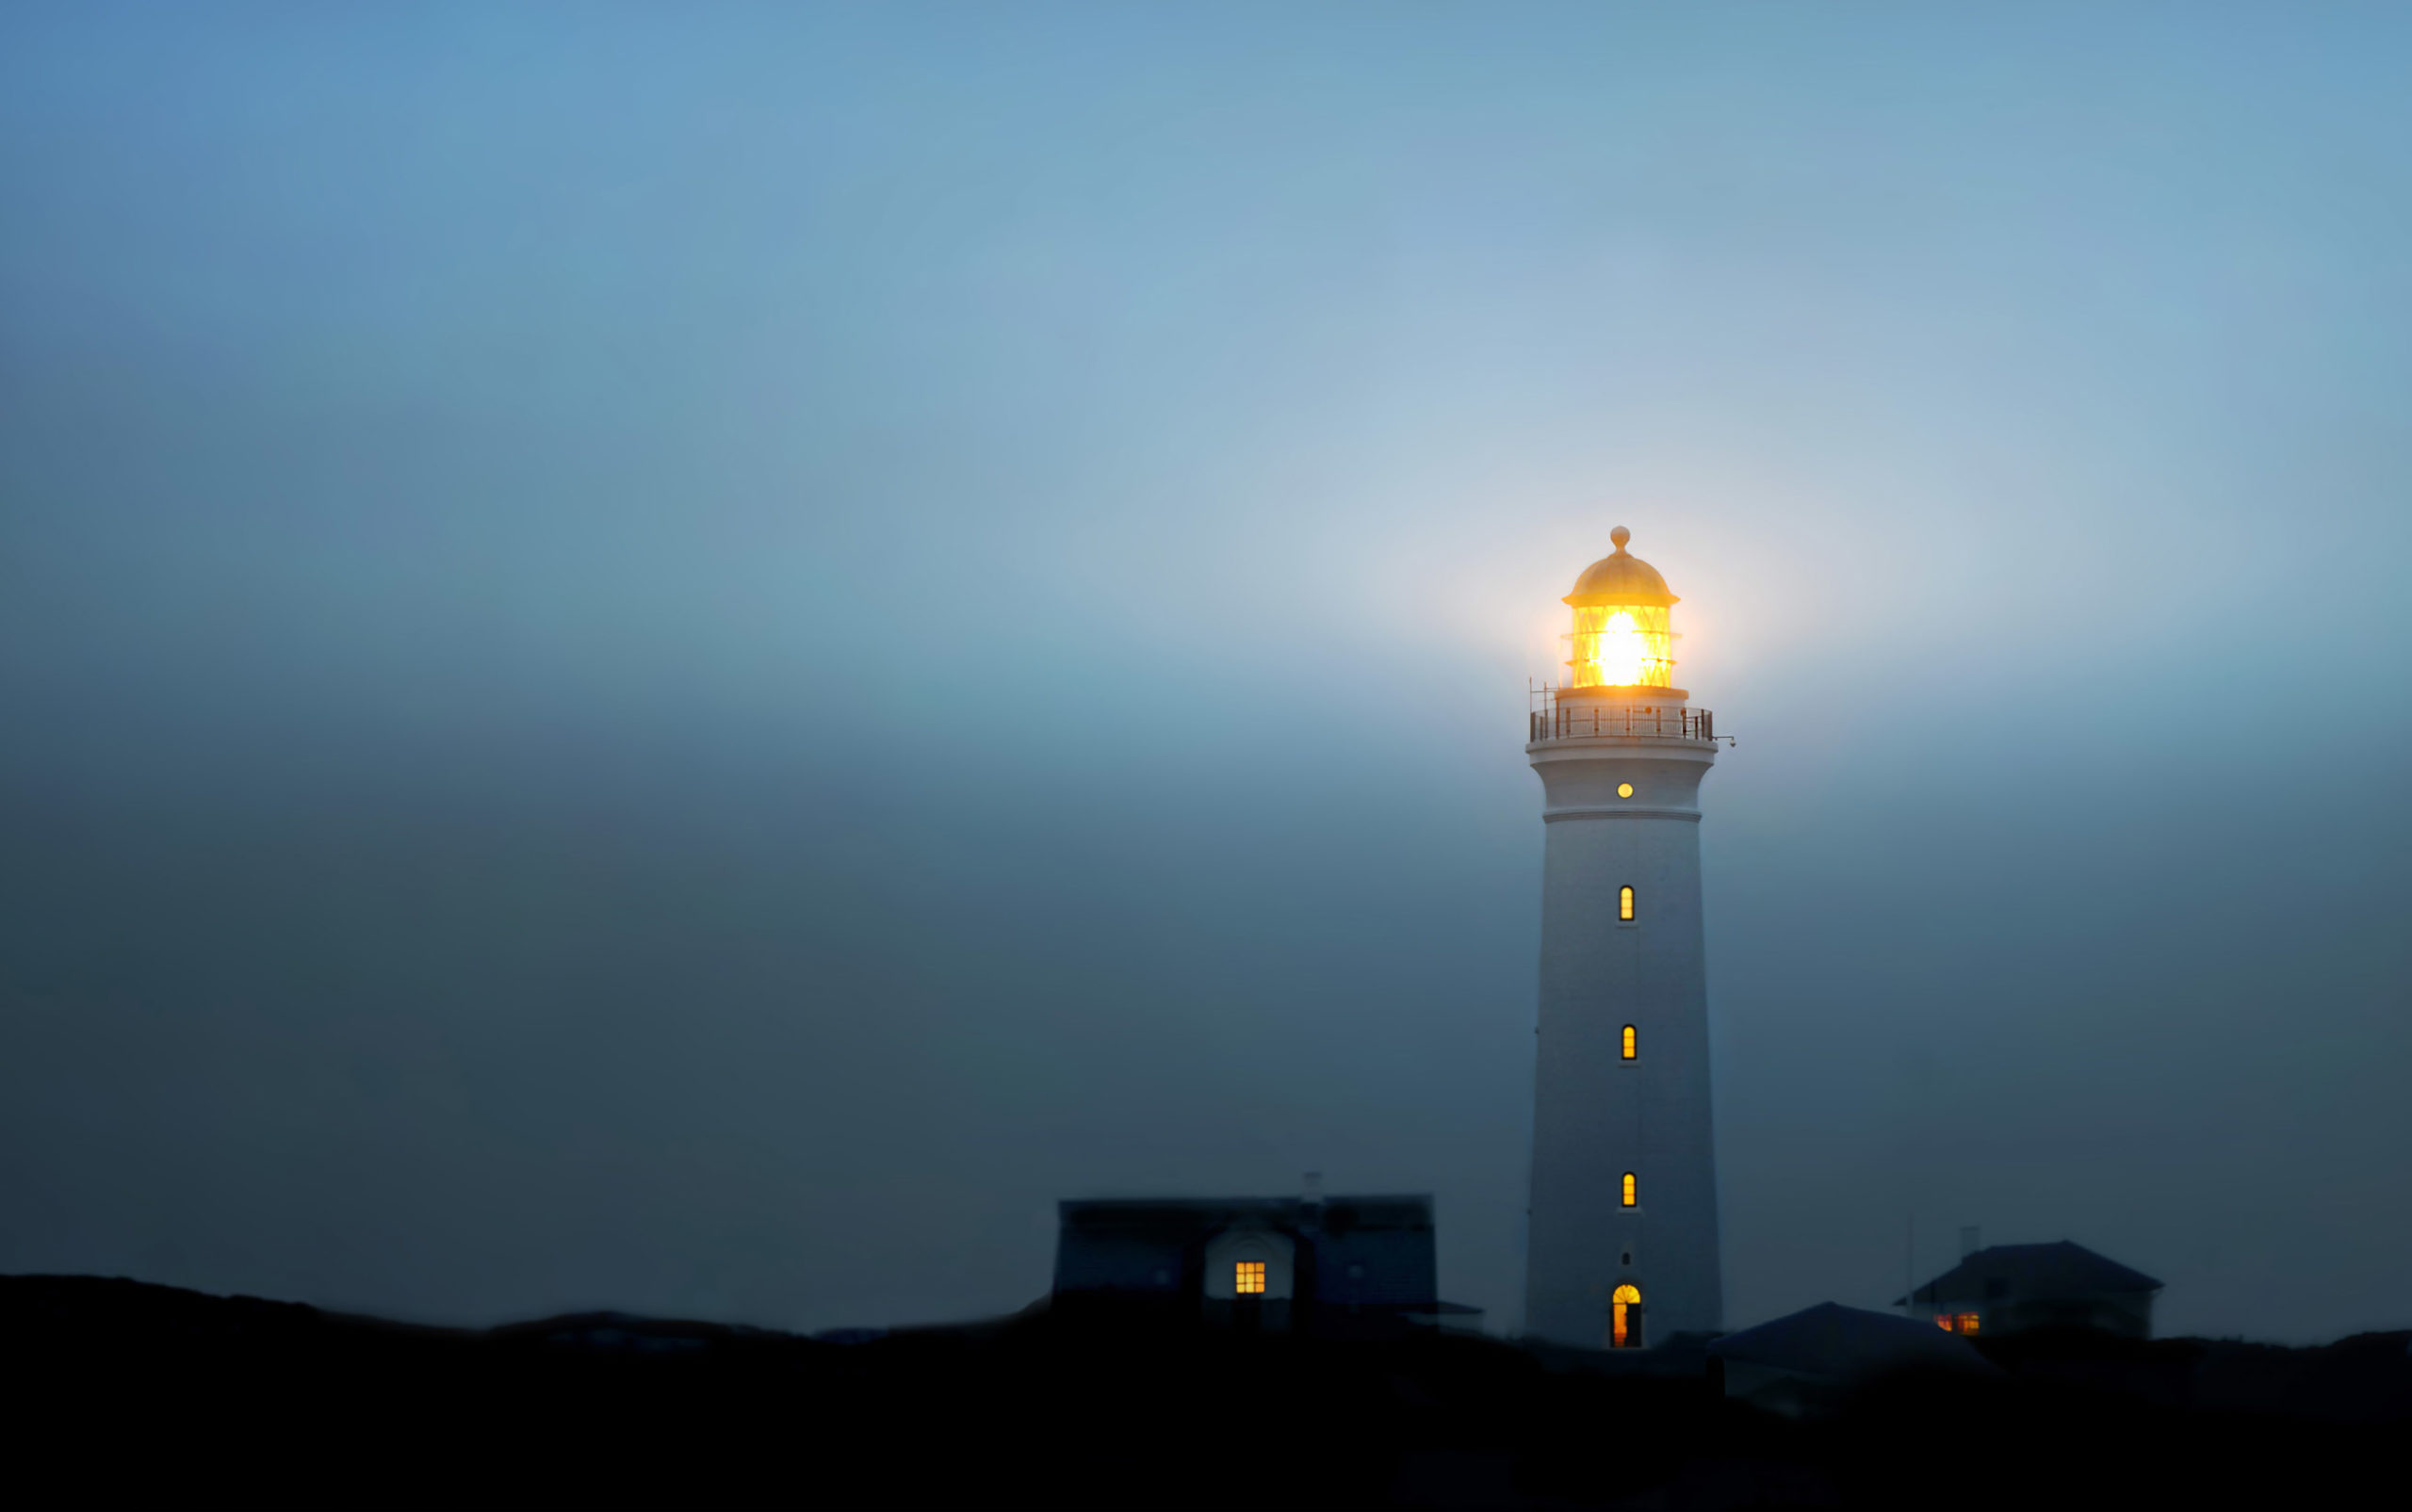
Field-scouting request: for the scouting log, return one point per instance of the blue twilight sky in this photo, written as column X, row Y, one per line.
column 690, row 658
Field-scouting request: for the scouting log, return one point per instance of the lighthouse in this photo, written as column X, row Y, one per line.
column 1622, row 1242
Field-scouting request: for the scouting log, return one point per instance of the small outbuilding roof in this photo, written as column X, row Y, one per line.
column 2058, row 1269
column 1838, row 1344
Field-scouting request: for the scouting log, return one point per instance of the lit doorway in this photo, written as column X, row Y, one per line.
column 1625, row 1317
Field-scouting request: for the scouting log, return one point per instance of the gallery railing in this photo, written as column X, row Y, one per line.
column 1588, row 721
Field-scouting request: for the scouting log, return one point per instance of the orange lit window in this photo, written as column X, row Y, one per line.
column 1967, row 1323
column 1625, row 903
column 1629, row 1199
column 1943, row 1321
column 1628, row 1042
column 1625, row 1317
column 1249, row 1278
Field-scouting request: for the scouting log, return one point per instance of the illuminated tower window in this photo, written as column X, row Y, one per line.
column 1624, row 1320
column 1967, row 1323
column 1625, row 903
column 1249, row 1278
column 1629, row 1044
column 1630, row 1200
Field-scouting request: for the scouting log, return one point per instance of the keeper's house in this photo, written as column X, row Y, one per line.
column 2013, row 1287
column 1341, row 1267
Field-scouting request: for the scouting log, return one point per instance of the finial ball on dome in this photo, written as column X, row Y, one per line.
column 1620, row 535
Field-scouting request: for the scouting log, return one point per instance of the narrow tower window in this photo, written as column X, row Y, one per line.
column 1625, row 1321
column 1629, row 1046
column 1630, row 1200
column 1625, row 903
column 1250, row 1277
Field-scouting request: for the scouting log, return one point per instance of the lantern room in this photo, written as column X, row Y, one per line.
column 1621, row 637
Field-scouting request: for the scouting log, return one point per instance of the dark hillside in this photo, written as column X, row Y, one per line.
column 144, row 1396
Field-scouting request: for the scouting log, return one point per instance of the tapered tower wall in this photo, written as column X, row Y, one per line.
column 1597, row 1114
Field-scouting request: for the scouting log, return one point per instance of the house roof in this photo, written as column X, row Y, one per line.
column 1839, row 1343
column 2058, row 1269
column 1184, row 1215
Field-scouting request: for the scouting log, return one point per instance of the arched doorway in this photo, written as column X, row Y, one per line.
column 1625, row 1317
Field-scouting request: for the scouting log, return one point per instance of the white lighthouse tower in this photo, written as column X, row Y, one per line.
column 1623, row 1241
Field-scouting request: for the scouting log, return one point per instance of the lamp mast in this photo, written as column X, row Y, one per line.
column 1623, row 1241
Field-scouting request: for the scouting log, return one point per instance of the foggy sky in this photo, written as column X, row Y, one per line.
column 692, row 659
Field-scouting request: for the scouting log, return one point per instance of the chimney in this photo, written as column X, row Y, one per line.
column 1310, row 1205
column 1968, row 1242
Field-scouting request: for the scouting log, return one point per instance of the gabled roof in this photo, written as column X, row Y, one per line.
column 1186, row 1215
column 2059, row 1269
column 1839, row 1343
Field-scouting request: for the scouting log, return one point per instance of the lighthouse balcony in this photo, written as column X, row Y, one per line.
column 1569, row 721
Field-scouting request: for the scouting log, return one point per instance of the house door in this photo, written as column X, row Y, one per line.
column 1247, row 1314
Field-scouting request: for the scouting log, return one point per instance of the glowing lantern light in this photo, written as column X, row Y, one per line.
column 1622, row 638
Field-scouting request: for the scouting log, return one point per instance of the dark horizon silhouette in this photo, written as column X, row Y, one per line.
column 153, row 1395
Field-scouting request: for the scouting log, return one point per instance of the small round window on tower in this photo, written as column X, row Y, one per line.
column 1624, row 790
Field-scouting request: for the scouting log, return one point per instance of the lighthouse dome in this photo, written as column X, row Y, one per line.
column 1619, row 578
